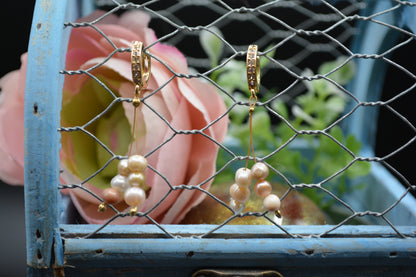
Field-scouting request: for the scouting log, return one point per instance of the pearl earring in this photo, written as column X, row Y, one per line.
column 239, row 191
column 130, row 182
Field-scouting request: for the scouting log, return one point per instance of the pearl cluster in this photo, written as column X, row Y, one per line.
column 129, row 184
column 240, row 192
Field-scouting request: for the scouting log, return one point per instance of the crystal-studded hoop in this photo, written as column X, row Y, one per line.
column 140, row 65
column 253, row 69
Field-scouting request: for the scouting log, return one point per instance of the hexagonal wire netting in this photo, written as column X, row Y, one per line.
column 307, row 57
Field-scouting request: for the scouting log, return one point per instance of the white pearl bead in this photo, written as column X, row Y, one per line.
column 235, row 205
column 240, row 194
column 243, row 177
column 119, row 182
column 134, row 196
column 271, row 202
column 263, row 188
column 123, row 167
column 137, row 163
column 259, row 171
column 136, row 179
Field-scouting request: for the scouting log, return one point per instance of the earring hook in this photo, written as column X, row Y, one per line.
column 253, row 69
column 140, row 66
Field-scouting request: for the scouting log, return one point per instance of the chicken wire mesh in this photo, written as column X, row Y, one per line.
column 306, row 53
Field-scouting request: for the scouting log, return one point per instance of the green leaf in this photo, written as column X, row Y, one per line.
column 353, row 144
column 262, row 130
column 336, row 132
column 335, row 104
column 289, row 162
column 343, row 74
column 322, row 88
column 300, row 113
column 329, row 146
column 358, row 169
column 212, row 44
column 265, row 61
column 280, row 108
column 284, row 132
column 238, row 114
column 233, row 77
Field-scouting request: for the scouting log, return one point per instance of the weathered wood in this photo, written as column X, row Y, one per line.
column 349, row 253
column 42, row 106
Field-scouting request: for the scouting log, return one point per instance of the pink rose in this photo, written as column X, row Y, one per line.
column 11, row 131
column 187, row 104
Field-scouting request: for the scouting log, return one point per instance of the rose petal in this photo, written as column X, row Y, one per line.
column 11, row 141
column 187, row 104
column 171, row 162
column 136, row 21
column 190, row 198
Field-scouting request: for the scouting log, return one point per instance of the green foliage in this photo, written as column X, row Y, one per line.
column 313, row 158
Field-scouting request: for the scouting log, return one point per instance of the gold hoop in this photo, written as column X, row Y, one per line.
column 140, row 65
column 253, row 69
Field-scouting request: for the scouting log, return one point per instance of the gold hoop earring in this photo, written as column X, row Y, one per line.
column 253, row 69
column 140, row 66
column 239, row 191
column 130, row 182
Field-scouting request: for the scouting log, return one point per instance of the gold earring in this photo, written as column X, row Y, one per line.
column 130, row 182
column 140, row 72
column 239, row 191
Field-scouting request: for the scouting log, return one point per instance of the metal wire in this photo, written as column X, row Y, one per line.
column 331, row 25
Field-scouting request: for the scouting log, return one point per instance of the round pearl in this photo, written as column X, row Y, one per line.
column 235, row 205
column 243, row 177
column 123, row 167
column 119, row 182
column 260, row 171
column 240, row 194
column 136, row 179
column 271, row 202
column 137, row 163
column 134, row 196
column 111, row 196
column 263, row 188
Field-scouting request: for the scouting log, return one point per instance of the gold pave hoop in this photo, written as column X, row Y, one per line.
column 140, row 66
column 253, row 69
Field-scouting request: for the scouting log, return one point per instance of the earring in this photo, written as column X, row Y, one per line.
column 130, row 182
column 239, row 191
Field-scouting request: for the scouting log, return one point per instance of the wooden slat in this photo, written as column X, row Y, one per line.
column 42, row 106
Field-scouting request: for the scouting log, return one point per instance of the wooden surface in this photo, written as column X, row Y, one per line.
column 42, row 107
column 365, row 250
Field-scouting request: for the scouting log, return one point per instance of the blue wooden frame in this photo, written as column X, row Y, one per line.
column 54, row 249
column 42, row 105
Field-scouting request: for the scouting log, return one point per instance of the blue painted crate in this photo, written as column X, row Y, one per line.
column 61, row 250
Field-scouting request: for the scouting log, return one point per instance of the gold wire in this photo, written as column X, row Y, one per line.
column 134, row 135
column 139, row 60
column 252, row 103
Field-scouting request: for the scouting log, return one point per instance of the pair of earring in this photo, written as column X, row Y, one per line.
column 130, row 182
column 239, row 191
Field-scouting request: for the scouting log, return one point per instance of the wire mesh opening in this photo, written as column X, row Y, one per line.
column 387, row 126
column 305, row 107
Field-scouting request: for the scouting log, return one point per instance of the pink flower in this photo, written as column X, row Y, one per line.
column 11, row 139
column 187, row 104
